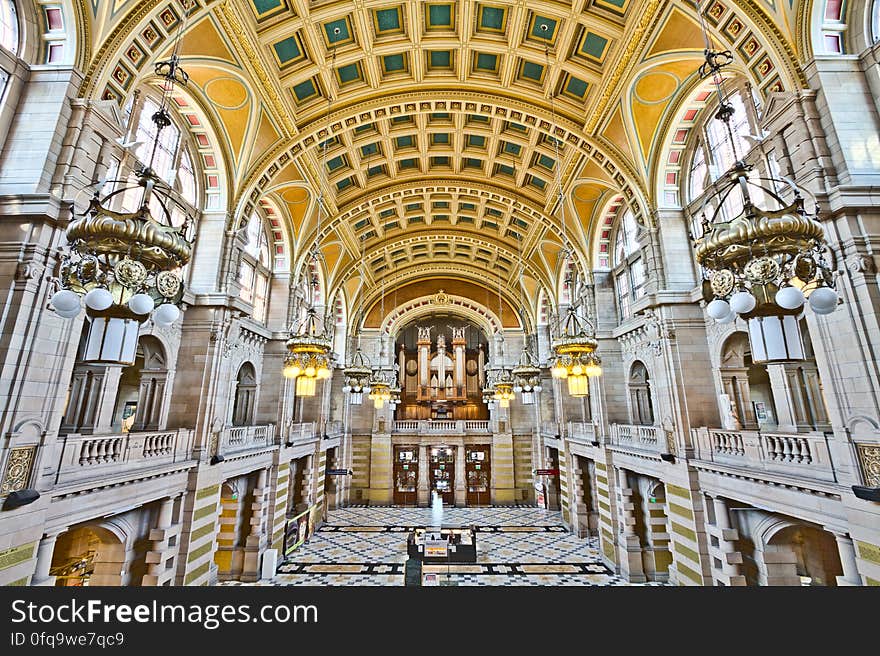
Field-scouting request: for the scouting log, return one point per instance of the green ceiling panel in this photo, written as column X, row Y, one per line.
column 594, row 45
column 387, row 20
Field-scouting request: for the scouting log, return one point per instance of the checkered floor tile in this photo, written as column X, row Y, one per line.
column 516, row 546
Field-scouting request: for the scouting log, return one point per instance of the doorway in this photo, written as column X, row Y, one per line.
column 442, row 472
column 477, row 472
column 406, row 475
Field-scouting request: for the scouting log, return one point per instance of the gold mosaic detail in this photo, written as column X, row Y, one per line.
column 18, row 469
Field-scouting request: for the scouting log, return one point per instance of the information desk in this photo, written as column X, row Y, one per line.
column 448, row 545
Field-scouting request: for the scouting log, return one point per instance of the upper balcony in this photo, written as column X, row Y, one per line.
column 800, row 455
column 442, row 427
column 86, row 459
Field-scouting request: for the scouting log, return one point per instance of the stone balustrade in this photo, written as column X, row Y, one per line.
column 796, row 454
column 87, row 458
column 637, row 437
column 235, row 439
column 579, row 431
column 442, row 426
column 301, row 433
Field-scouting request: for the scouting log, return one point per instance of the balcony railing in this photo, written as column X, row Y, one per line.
column 442, row 426
column 235, row 439
column 88, row 457
column 301, row 433
column 795, row 454
column 641, row 438
column 579, row 431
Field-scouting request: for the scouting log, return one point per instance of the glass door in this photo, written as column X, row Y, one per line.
column 406, row 475
column 442, row 472
column 477, row 470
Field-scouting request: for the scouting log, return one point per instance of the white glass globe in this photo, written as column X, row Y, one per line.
column 537, row 388
column 789, row 298
column 517, row 389
column 166, row 314
column 68, row 314
column 141, row 304
column 727, row 319
column 99, row 299
column 742, row 302
column 346, row 388
column 367, row 390
column 823, row 300
column 718, row 309
column 65, row 301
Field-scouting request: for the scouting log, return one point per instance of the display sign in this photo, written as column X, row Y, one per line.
column 300, row 528
column 436, row 548
column 540, row 496
column 339, row 472
column 546, row 472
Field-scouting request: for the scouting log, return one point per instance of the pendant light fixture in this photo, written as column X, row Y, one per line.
column 358, row 372
column 502, row 382
column 310, row 343
column 574, row 343
column 380, row 381
column 526, row 374
column 126, row 266
column 763, row 264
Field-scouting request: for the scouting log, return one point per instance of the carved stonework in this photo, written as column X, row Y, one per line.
column 860, row 264
column 440, row 298
column 646, row 340
column 18, row 469
column 869, row 460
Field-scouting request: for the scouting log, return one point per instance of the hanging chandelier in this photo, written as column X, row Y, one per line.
column 502, row 388
column 765, row 263
column 126, row 266
column 380, row 389
column 357, row 377
column 308, row 354
column 575, row 354
column 527, row 374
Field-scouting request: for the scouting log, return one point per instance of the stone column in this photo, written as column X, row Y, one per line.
column 629, row 546
column 579, row 510
column 730, row 558
column 788, row 397
column 158, row 554
column 423, row 494
column 45, row 551
column 460, row 482
column 93, row 399
column 502, row 485
column 256, row 542
column 424, row 347
column 736, row 386
column 848, row 561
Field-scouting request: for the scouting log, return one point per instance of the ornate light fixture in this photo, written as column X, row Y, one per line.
column 309, row 346
column 380, row 389
column 574, row 345
column 126, row 265
column 527, row 374
column 575, row 354
column 502, row 388
column 308, row 354
column 357, row 377
column 764, row 263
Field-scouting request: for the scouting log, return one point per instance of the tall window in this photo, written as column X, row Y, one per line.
column 715, row 152
column 629, row 268
column 253, row 273
column 8, row 27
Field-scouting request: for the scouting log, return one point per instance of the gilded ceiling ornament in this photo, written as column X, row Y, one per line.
column 440, row 298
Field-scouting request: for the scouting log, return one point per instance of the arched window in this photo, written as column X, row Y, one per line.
column 8, row 27
column 640, row 405
column 166, row 150
column 245, row 396
column 254, row 273
column 715, row 152
column 629, row 268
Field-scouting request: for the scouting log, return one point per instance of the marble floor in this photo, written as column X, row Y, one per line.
column 515, row 547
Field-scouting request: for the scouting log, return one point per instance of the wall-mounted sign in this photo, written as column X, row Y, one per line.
column 339, row 472
column 545, row 472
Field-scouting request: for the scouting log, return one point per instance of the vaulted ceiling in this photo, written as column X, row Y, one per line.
column 437, row 131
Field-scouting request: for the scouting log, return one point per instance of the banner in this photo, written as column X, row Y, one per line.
column 300, row 528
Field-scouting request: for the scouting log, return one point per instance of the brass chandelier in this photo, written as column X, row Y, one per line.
column 308, row 354
column 575, row 358
column 764, row 263
column 357, row 377
column 126, row 266
column 527, row 374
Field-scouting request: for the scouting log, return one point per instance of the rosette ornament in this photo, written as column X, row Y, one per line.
column 764, row 266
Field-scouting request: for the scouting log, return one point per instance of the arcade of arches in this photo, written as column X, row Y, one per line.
column 481, row 165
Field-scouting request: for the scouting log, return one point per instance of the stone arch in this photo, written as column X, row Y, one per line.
column 93, row 553
column 641, row 405
column 245, row 396
column 402, row 315
column 800, row 549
